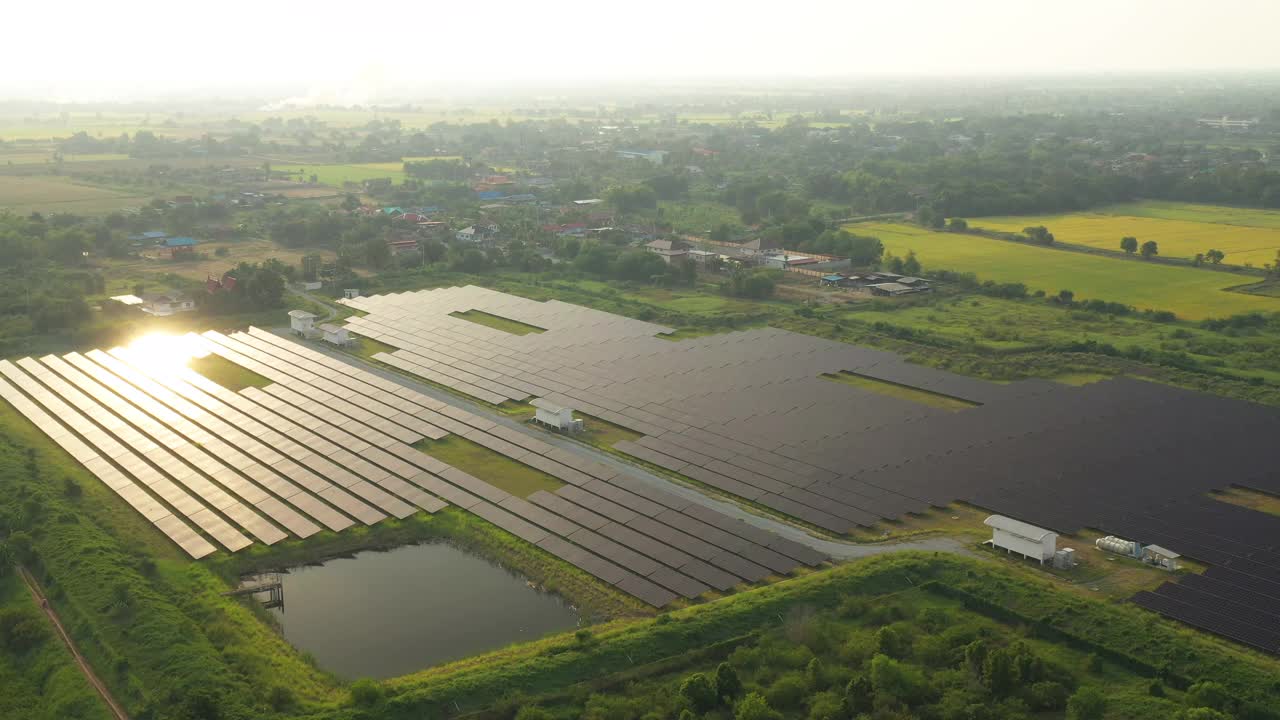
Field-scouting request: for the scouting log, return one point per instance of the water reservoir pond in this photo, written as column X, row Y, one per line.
column 382, row 614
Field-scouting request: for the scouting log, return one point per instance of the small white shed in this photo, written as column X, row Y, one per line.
column 1161, row 557
column 302, row 322
column 1023, row 538
column 351, row 293
column 554, row 415
column 335, row 334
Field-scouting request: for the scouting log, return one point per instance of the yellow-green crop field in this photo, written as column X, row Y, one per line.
column 337, row 174
column 46, row 158
column 1188, row 292
column 1248, row 237
column 58, row 194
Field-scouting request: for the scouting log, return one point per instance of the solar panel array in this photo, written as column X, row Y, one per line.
column 329, row 445
column 748, row 413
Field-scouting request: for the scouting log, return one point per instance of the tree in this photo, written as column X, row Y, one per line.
column 755, row 707
column 1198, row 260
column 1207, row 693
column 376, row 253
column 1129, row 244
column 1066, row 297
column 859, row 696
column 1215, row 256
column 1039, row 235
column 998, row 672
column 958, row 225
column 899, row 680
column 699, row 692
column 895, row 264
column 910, row 265
column 1088, row 703
column 1149, row 249
column 728, row 685
column 890, row 642
column 350, row 202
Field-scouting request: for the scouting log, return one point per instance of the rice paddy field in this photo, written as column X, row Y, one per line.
column 58, row 194
column 1247, row 236
column 1188, row 292
column 337, row 174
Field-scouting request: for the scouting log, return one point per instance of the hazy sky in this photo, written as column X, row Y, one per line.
column 60, row 49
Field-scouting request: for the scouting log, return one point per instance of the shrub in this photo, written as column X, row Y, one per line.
column 728, row 685
column 1208, row 694
column 1047, row 695
column 788, row 691
column 699, row 693
column 755, row 707
column 533, row 712
column 281, row 698
column 366, row 692
column 21, row 629
column 1088, row 703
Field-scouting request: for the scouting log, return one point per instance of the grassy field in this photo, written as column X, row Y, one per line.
column 902, row 392
column 1248, row 237
column 40, row 680
column 489, row 465
column 208, row 263
column 699, row 217
column 227, row 374
column 1189, row 292
column 56, row 194
column 497, row 322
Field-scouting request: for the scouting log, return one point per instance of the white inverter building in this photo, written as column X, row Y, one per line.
column 1025, row 539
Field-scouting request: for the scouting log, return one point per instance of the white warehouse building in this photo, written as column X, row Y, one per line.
column 1025, row 539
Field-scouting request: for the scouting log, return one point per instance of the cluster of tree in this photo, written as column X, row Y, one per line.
column 756, row 284
column 881, row 661
column 632, row 198
column 862, row 250
column 909, row 265
column 1149, row 249
column 765, row 199
column 449, row 170
column 1039, row 235
column 1213, row 257
column 633, row 265
column 258, row 286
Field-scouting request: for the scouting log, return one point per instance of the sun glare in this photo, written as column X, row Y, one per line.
column 165, row 353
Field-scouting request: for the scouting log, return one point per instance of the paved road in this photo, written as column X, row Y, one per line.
column 322, row 302
column 836, row 549
column 87, row 671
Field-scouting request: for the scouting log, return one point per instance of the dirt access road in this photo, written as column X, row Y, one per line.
column 83, row 664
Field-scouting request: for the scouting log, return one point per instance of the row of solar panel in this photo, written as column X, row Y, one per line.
column 632, row 513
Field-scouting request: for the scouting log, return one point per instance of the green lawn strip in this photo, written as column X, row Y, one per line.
column 497, row 322
column 489, row 465
column 603, row 434
column 367, row 347
column 38, row 676
column 226, row 373
column 902, row 392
